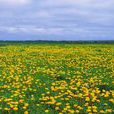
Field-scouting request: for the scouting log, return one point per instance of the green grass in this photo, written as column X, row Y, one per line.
column 56, row 78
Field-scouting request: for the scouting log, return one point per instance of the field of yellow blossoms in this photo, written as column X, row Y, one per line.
column 56, row 78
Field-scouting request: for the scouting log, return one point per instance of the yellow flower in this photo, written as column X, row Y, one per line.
column 87, row 99
column 46, row 111
column 94, row 110
column 65, row 109
column 111, row 100
column 86, row 104
column 57, row 108
column 21, row 101
column 16, row 103
column 7, row 109
column 26, row 104
column 67, row 106
column 59, row 103
column 102, row 111
column 77, row 111
column 88, row 110
column 15, row 108
column 24, row 108
column 79, row 107
column 26, row 112
column 72, row 111
column 37, row 104
column 94, row 107
column 108, row 110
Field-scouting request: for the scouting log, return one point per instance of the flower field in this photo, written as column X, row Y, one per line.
column 56, row 78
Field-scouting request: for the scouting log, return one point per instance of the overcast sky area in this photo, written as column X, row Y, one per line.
column 56, row 19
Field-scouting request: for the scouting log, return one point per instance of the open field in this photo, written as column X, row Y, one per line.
column 56, row 78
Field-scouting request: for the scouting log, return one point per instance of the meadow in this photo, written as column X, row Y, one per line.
column 56, row 78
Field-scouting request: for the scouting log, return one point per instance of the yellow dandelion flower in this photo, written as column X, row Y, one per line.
column 26, row 112
column 46, row 110
column 87, row 99
column 15, row 108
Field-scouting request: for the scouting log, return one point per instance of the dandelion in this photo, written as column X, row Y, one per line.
column 15, row 108
column 46, row 111
column 26, row 112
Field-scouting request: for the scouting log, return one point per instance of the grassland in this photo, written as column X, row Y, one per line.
column 56, row 78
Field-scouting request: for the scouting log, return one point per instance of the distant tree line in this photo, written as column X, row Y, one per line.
column 3, row 43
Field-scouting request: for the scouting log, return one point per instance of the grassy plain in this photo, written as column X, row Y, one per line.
column 56, row 78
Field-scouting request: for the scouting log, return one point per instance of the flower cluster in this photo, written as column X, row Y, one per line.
column 56, row 78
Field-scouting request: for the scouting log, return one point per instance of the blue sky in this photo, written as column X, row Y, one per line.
column 56, row 19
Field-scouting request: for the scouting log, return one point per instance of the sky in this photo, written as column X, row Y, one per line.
column 56, row 19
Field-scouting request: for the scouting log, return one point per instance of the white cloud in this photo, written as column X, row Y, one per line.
column 31, row 30
column 55, row 31
column 57, row 17
column 40, row 14
column 14, row 2
column 91, row 3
